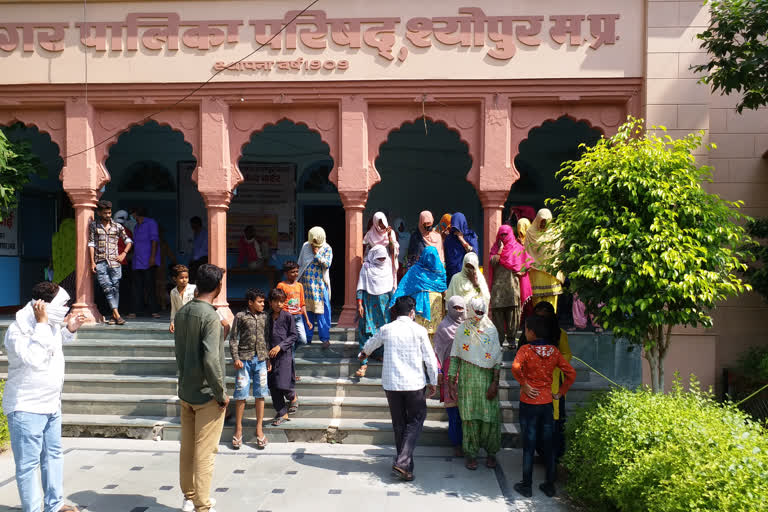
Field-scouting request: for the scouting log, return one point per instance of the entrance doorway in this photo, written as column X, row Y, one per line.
column 424, row 170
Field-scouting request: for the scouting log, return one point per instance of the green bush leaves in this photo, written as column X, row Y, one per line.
column 649, row 452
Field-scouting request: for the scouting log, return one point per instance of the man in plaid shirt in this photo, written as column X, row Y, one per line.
column 103, row 236
column 407, row 352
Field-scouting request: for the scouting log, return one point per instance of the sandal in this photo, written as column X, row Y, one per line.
column 261, row 442
column 237, row 442
column 293, row 406
column 111, row 321
column 157, row 315
column 402, row 474
column 471, row 464
column 361, row 371
column 296, row 379
column 327, row 344
column 490, row 461
column 279, row 421
column 119, row 320
column 69, row 508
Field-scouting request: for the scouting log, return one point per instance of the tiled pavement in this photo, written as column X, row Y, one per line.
column 118, row 475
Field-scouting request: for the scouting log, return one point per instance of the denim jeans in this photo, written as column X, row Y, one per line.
column 36, row 442
column 537, row 425
column 109, row 280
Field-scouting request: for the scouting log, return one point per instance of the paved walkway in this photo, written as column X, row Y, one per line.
column 119, row 475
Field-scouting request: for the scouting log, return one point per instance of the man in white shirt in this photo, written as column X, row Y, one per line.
column 32, row 398
column 407, row 351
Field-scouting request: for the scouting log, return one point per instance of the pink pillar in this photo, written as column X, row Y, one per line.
column 82, row 177
column 84, row 203
column 493, row 204
column 354, row 204
column 217, row 205
column 216, row 177
column 353, row 178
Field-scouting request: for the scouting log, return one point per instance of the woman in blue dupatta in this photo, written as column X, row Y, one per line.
column 425, row 283
column 459, row 242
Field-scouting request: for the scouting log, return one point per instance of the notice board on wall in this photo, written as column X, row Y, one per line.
column 266, row 200
column 9, row 234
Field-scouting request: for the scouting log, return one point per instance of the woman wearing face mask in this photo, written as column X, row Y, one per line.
column 459, row 242
column 424, row 237
column 474, row 375
column 469, row 283
column 374, row 291
column 444, row 336
column 381, row 233
column 542, row 245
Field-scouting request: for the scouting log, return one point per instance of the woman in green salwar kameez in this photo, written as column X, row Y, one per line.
column 475, row 366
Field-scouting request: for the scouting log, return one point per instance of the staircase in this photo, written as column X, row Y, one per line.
column 120, row 382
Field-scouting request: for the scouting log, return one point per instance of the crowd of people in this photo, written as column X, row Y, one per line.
column 432, row 317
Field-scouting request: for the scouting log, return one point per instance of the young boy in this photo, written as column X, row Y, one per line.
column 533, row 368
column 183, row 293
column 281, row 335
column 248, row 346
column 294, row 304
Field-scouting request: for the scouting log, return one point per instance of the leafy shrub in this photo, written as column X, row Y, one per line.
column 753, row 364
column 5, row 436
column 644, row 451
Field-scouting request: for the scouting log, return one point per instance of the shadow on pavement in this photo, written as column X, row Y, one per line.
column 96, row 502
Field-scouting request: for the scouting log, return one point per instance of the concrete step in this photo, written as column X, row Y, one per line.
column 321, row 430
column 165, row 348
column 159, row 331
column 307, row 386
column 375, row 408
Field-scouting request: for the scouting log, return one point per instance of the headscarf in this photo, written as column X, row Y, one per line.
column 431, row 237
column 57, row 311
column 121, row 217
column 403, row 235
column 522, row 228
column 315, row 238
column 446, row 331
column 377, row 235
column 541, row 244
column 514, row 258
column 376, row 276
column 445, row 223
column 462, row 285
column 426, row 275
column 454, row 251
column 477, row 340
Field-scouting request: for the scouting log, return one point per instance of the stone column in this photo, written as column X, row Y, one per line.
column 84, row 203
column 354, row 204
column 216, row 178
column 496, row 171
column 82, row 177
column 353, row 178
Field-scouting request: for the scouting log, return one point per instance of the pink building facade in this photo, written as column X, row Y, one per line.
column 353, row 73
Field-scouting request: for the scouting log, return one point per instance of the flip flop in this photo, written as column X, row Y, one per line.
column 402, row 474
column 237, row 442
column 471, row 464
column 293, row 407
column 279, row 421
column 261, row 442
column 119, row 321
column 491, row 461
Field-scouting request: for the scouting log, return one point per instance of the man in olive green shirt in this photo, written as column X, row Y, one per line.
column 200, row 359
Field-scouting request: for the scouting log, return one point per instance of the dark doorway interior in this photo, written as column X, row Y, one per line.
column 332, row 219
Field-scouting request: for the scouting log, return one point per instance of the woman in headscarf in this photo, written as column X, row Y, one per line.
column 474, row 373
column 469, row 283
column 444, row 226
column 459, row 242
column 425, row 282
column 374, row 291
column 423, row 237
column 444, row 336
column 522, row 228
column 403, row 238
column 381, row 233
column 314, row 274
column 542, row 245
column 510, row 285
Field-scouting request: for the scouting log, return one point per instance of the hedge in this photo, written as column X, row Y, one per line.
column 5, row 436
column 651, row 452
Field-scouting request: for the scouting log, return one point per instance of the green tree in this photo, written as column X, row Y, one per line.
column 643, row 240
column 738, row 48
column 757, row 274
column 17, row 165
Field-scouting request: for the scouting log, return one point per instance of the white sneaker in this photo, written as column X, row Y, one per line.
column 188, row 506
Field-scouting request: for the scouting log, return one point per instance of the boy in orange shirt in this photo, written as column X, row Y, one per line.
column 294, row 305
column 533, row 368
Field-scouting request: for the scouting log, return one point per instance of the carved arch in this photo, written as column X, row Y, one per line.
column 48, row 122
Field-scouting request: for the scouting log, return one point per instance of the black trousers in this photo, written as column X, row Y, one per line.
column 408, row 410
column 144, row 284
column 280, row 400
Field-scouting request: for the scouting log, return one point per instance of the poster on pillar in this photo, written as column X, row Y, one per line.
column 9, row 234
column 266, row 202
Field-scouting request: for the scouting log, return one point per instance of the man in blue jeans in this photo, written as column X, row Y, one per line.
column 106, row 259
column 32, row 399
